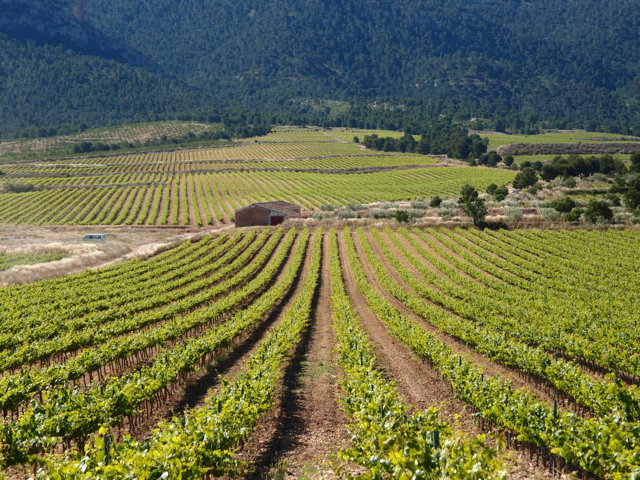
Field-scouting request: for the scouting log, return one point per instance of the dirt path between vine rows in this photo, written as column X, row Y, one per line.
column 301, row 435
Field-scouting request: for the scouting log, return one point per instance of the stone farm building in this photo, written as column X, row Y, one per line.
column 267, row 213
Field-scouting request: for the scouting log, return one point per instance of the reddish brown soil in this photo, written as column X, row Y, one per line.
column 435, row 254
column 157, row 197
column 192, row 201
column 208, row 207
column 61, row 357
column 463, row 242
column 222, row 198
column 182, row 191
column 300, row 436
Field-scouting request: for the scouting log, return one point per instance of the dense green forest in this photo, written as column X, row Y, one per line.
column 503, row 65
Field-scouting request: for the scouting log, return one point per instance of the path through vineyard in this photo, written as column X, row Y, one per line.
column 302, row 435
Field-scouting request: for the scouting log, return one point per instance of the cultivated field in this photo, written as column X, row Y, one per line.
column 200, row 187
column 568, row 136
column 143, row 132
column 8, row 260
column 343, row 352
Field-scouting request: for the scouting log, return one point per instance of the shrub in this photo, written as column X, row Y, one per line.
column 451, row 204
column 598, row 210
column 402, row 216
column 419, row 204
column 574, row 215
column 613, row 199
column 492, row 188
column 15, row 187
column 357, row 206
column 525, row 178
column 491, row 159
column 344, row 214
column 446, row 213
column 631, row 199
column 622, row 218
column 379, row 214
column 550, row 214
column 500, row 193
column 472, row 204
column 416, row 213
column 599, row 177
column 328, row 208
column 563, row 204
column 508, row 160
column 514, row 214
column 435, row 202
column 356, row 140
column 569, row 182
column 534, row 189
column 389, row 205
column 316, row 215
column 525, row 164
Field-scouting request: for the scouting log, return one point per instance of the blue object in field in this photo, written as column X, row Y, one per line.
column 95, row 236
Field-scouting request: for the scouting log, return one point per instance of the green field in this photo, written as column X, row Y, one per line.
column 8, row 260
column 500, row 139
column 203, row 186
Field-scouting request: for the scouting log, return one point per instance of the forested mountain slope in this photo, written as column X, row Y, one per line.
column 64, row 22
column 513, row 64
column 57, row 70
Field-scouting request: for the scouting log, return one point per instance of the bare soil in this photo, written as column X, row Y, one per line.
column 301, row 435
column 122, row 243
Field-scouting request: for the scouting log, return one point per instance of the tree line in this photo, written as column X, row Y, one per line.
column 442, row 140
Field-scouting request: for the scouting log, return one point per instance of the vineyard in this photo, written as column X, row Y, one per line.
column 289, row 353
column 8, row 260
column 110, row 135
column 203, row 187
